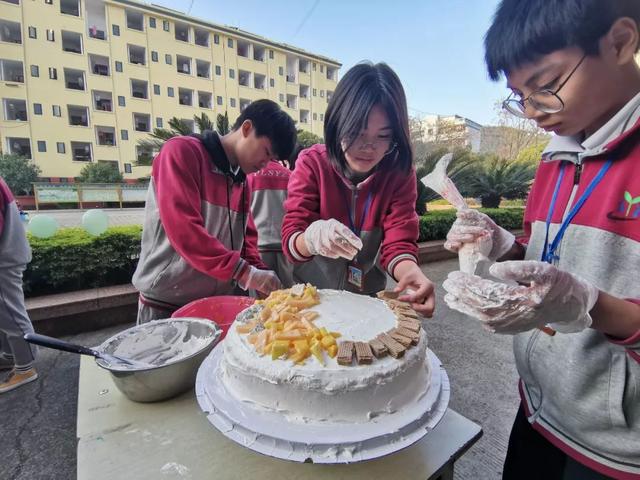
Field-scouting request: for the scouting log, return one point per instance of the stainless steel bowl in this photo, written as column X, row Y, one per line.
column 174, row 347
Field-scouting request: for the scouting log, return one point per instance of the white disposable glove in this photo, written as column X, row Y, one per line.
column 546, row 295
column 263, row 281
column 332, row 239
column 474, row 227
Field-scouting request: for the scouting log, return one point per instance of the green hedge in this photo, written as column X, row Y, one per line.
column 74, row 260
column 435, row 225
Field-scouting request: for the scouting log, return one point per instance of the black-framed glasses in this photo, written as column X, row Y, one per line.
column 544, row 100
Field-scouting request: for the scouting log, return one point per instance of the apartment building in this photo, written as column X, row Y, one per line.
column 83, row 80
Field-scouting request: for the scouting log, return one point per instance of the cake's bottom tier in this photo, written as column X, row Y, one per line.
column 304, row 399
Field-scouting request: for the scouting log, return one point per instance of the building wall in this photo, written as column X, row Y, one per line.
column 160, row 107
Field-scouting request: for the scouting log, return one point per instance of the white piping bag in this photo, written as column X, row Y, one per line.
column 470, row 254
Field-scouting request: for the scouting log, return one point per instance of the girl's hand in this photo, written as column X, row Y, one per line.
column 422, row 297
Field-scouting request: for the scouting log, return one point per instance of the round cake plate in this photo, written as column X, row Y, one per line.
column 270, row 433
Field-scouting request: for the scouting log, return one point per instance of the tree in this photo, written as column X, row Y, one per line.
column 100, row 172
column 19, row 173
column 222, row 123
column 531, row 154
column 150, row 146
column 307, row 139
column 494, row 178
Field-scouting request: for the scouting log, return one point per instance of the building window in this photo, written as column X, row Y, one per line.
column 280, row 71
column 11, row 71
column 71, row 41
column 154, row 56
column 230, row 43
column 118, row 66
column 99, row 65
column 152, row 24
column 15, row 109
column 168, row 59
column 124, row 135
column 48, row 2
column 272, row 82
column 232, row 102
column 216, row 38
column 219, row 100
column 141, row 122
column 183, row 64
column 56, row 111
column 121, row 101
column 169, row 91
column 156, row 89
column 165, row 25
column 53, row 73
column 281, row 97
column 127, row 166
column 70, row 7
column 42, row 146
column 315, row 116
column 35, row 71
column 321, row 68
column 81, row 151
column 232, row 73
column 185, row 96
column 322, row 93
column 78, row 115
column 218, row 70
column 74, row 79
column 37, row 109
column 271, row 54
column 106, row 136
column 159, row 122
column 315, row 92
column 115, row 29
column 139, row 89
column 60, row 147
column 137, row 54
column 33, row 32
column 322, row 117
column 51, row 36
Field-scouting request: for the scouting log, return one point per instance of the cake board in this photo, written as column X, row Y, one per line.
column 270, row 433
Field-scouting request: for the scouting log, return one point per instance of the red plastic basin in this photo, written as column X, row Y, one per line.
column 222, row 309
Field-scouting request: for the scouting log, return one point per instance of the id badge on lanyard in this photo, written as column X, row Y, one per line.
column 355, row 271
column 549, row 254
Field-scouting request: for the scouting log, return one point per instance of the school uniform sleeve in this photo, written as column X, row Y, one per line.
column 631, row 344
column 302, row 206
column 400, row 225
column 179, row 204
column 252, row 255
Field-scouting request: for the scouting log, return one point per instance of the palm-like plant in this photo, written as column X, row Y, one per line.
column 495, row 178
column 160, row 135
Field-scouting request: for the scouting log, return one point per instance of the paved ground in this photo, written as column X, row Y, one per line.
column 38, row 421
column 73, row 218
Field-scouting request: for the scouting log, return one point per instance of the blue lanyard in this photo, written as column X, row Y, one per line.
column 352, row 223
column 549, row 252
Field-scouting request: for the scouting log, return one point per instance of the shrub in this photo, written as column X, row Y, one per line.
column 435, row 225
column 74, row 260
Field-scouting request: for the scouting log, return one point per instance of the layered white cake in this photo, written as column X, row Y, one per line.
column 319, row 389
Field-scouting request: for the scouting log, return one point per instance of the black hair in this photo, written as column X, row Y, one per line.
column 524, row 30
column 362, row 87
column 270, row 121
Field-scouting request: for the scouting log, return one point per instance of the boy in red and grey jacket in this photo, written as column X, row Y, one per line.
column 571, row 68
column 199, row 238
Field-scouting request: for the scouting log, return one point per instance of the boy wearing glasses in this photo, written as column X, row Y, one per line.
column 570, row 66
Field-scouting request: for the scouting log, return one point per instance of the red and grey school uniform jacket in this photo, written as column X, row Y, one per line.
column 14, row 247
column 582, row 390
column 389, row 231
column 268, row 193
column 192, row 213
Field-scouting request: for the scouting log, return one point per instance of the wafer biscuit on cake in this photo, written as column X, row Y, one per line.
column 396, row 350
column 345, row 353
column 379, row 349
column 405, row 332
column 401, row 339
column 412, row 325
column 363, row 353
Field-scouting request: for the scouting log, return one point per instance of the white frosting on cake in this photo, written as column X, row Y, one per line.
column 331, row 393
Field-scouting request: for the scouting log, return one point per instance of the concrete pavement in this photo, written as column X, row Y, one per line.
column 38, row 421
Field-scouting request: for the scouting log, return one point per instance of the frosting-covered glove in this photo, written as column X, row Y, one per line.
column 474, row 227
column 332, row 239
column 544, row 295
column 252, row 278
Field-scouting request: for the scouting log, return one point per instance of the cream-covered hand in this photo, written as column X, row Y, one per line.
column 474, row 227
column 544, row 295
column 331, row 239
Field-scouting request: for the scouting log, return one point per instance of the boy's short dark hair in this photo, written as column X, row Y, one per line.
column 270, row 121
column 362, row 87
column 524, row 30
